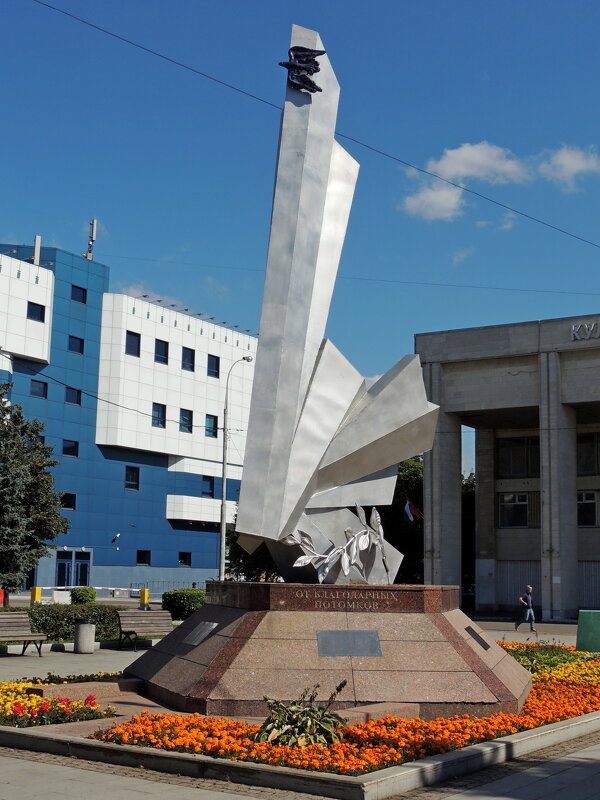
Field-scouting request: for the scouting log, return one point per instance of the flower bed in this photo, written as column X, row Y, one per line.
column 23, row 706
column 563, row 691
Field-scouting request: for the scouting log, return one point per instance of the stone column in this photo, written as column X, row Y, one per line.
column 442, row 491
column 558, row 463
column 485, row 521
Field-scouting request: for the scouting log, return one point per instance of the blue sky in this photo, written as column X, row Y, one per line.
column 499, row 97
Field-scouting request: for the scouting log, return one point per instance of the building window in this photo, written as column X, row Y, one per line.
column 161, row 351
column 186, row 420
column 159, row 415
column 587, row 454
column 185, row 559
column 188, row 359
column 586, row 509
column 207, row 488
column 79, row 294
column 513, row 511
column 72, row 396
column 70, row 448
column 518, row 457
column 213, row 368
column 69, row 501
column 211, row 426
column 132, row 343
column 38, row 389
column 132, row 479
column 143, row 558
column 76, row 344
column 36, row 312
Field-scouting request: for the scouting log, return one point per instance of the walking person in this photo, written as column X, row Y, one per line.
column 526, row 601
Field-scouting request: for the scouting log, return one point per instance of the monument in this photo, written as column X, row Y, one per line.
column 320, row 443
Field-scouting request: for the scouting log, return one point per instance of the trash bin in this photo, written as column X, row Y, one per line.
column 85, row 635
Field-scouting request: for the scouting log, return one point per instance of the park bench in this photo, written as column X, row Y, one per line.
column 143, row 625
column 15, row 627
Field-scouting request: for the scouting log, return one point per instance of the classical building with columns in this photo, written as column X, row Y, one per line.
column 531, row 391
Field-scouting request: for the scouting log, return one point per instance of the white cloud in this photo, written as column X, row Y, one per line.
column 438, row 201
column 483, row 160
column 483, row 223
column 568, row 163
column 508, row 221
column 460, row 255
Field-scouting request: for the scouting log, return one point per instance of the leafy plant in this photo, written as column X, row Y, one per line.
column 83, row 594
column 181, row 603
column 302, row 722
column 543, row 656
column 58, row 621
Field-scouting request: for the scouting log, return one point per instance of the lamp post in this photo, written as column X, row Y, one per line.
column 224, row 486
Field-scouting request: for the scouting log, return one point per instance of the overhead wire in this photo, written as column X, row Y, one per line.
column 373, row 149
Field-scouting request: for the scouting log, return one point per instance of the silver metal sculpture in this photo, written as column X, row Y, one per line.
column 318, row 440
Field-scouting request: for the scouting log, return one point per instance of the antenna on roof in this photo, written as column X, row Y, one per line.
column 92, row 238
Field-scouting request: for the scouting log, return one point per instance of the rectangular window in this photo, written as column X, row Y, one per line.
column 186, row 420
column 518, row 457
column 513, row 511
column 69, row 501
column 211, row 426
column 587, row 454
column 185, row 559
column 76, row 344
column 72, row 396
column 143, row 558
column 132, row 343
column 188, row 359
column 132, row 479
column 213, row 367
column 70, row 448
column 79, row 294
column 586, row 509
column 161, row 351
column 36, row 312
column 159, row 415
column 38, row 389
column 208, row 486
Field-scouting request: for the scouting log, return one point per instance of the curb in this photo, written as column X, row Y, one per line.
column 378, row 785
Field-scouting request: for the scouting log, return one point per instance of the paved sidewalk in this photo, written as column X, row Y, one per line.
column 13, row 667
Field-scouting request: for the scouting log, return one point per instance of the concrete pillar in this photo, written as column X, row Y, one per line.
column 442, row 491
column 485, row 521
column 558, row 464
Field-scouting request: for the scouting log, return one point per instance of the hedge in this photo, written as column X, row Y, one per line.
column 181, row 603
column 58, row 621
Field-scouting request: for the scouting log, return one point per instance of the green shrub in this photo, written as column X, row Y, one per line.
column 181, row 603
column 58, row 621
column 83, row 594
column 302, row 722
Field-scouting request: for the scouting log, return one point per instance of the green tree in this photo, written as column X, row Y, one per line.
column 406, row 536
column 30, row 514
column 256, row 566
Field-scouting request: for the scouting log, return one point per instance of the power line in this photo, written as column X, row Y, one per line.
column 373, row 149
column 368, row 279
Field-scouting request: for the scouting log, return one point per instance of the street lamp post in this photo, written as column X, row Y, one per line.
column 224, row 485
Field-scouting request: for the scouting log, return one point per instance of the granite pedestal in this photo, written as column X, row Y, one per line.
column 407, row 649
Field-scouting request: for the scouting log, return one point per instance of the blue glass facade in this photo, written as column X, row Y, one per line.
column 105, row 506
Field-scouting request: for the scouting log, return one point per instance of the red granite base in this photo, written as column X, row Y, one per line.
column 392, row 644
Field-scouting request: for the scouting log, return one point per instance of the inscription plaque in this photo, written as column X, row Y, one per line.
column 479, row 639
column 348, row 643
column 200, row 632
